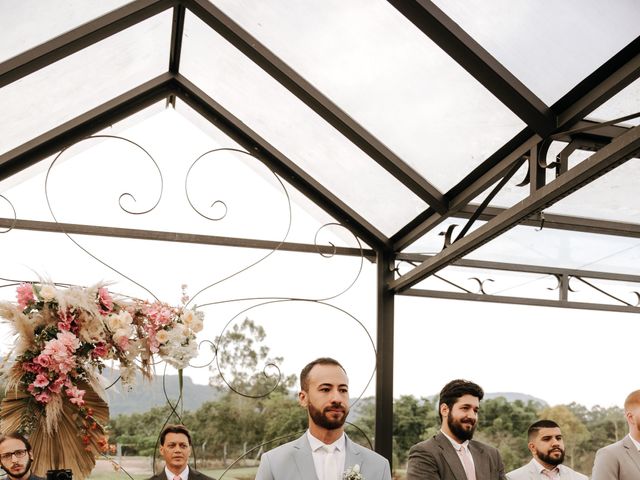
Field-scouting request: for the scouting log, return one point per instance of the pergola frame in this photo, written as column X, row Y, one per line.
column 564, row 120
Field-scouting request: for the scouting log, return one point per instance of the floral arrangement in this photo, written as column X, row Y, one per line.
column 353, row 473
column 66, row 335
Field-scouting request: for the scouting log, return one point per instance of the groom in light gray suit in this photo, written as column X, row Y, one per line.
column 324, row 452
column 621, row 460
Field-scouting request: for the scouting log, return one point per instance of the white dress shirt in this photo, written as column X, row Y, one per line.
column 319, row 453
column 184, row 474
column 458, row 447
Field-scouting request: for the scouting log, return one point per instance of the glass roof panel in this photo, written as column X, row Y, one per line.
column 28, row 23
column 284, row 121
column 400, row 86
column 550, row 46
column 626, row 102
column 84, row 80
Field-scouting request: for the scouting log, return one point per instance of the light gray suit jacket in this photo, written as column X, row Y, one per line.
column 294, row 461
column 436, row 459
column 618, row 461
column 531, row 471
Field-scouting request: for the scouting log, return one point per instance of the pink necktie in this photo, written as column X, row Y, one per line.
column 177, row 477
column 467, row 464
column 552, row 474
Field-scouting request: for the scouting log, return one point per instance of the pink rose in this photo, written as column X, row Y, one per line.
column 75, row 395
column 41, row 381
column 25, row 295
column 100, row 350
column 57, row 384
column 105, row 300
column 43, row 397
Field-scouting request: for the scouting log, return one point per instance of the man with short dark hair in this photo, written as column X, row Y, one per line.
column 547, row 448
column 175, row 448
column 452, row 454
column 621, row 460
column 16, row 457
column 324, row 452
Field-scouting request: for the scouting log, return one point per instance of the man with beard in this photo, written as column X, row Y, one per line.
column 175, row 448
column 452, row 454
column 324, row 452
column 621, row 460
column 16, row 457
column 547, row 447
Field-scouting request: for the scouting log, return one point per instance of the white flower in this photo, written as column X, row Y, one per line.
column 125, row 318
column 114, row 322
column 197, row 325
column 121, row 333
column 48, row 292
column 353, row 473
column 187, row 317
column 162, row 336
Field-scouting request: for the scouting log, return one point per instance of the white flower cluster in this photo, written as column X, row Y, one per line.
column 178, row 344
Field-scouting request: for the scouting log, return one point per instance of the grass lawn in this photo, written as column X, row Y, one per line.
column 244, row 473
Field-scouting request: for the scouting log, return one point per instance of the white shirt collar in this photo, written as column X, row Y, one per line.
column 317, row 444
column 455, row 444
column 184, row 474
column 635, row 442
column 541, row 467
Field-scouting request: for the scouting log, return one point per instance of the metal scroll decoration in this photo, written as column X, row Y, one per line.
column 247, row 304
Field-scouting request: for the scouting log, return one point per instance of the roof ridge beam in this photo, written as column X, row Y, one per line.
column 479, row 63
column 610, row 156
column 317, row 101
column 81, row 37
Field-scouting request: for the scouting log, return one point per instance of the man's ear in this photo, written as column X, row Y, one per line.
column 532, row 448
column 444, row 410
column 303, row 398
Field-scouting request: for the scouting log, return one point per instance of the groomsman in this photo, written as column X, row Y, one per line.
column 621, row 460
column 452, row 454
column 324, row 452
column 175, row 448
column 547, row 448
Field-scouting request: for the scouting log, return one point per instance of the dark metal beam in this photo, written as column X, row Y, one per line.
column 562, row 222
column 607, row 158
column 384, row 355
column 523, row 268
column 252, row 142
column 448, row 35
column 90, row 122
column 537, row 302
column 177, row 30
column 318, row 102
column 79, row 38
column 155, row 235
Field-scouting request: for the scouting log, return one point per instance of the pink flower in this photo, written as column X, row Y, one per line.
column 75, row 395
column 69, row 340
column 43, row 397
column 41, row 381
column 25, row 295
column 43, row 360
column 100, row 350
column 57, row 384
column 105, row 301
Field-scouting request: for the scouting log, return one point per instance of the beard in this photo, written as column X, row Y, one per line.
column 547, row 458
column 20, row 474
column 456, row 427
column 323, row 418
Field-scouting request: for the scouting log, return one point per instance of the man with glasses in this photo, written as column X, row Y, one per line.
column 16, row 457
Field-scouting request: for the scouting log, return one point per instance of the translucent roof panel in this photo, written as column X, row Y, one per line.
column 550, row 46
column 28, row 23
column 564, row 249
column 626, row 102
column 285, row 122
column 75, row 84
column 400, row 86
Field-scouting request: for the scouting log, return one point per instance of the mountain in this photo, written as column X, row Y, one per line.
column 148, row 394
column 513, row 396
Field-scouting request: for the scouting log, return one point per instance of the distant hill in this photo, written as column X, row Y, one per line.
column 146, row 395
column 513, row 396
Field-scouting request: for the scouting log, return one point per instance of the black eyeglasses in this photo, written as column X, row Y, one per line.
column 18, row 453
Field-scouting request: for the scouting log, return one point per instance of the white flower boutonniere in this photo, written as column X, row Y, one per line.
column 353, row 473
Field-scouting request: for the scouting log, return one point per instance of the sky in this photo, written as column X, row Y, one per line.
column 557, row 355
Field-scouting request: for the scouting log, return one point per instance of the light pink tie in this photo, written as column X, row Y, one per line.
column 552, row 474
column 467, row 463
column 177, row 477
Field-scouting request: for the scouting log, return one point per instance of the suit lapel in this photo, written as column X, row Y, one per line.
column 353, row 454
column 480, row 460
column 304, row 458
column 632, row 451
column 451, row 457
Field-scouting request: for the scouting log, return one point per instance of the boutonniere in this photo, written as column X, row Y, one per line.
column 353, row 473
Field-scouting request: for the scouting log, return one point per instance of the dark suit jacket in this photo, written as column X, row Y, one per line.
column 618, row 461
column 436, row 459
column 193, row 475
